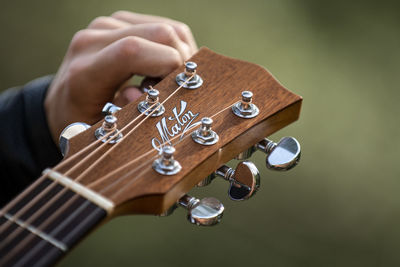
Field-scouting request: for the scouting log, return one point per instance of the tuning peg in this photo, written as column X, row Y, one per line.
column 244, row 180
column 151, row 106
column 166, row 164
column 281, row 156
column 205, row 212
column 69, row 132
column 109, row 127
column 109, row 109
column 245, row 108
column 190, row 69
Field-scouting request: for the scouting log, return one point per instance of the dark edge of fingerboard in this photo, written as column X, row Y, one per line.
column 68, row 228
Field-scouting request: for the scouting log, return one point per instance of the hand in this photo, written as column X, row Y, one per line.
column 103, row 57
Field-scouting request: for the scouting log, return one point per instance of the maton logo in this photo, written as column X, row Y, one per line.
column 183, row 121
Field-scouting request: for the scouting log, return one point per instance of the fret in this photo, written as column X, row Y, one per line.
column 37, row 232
column 41, row 242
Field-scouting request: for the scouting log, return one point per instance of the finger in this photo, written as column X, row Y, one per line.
column 181, row 29
column 96, row 39
column 127, row 95
column 120, row 60
column 147, row 82
column 157, row 32
column 107, row 23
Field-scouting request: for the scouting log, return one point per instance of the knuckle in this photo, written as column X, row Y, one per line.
column 80, row 40
column 128, row 46
column 75, row 68
column 74, row 74
column 175, row 60
column 120, row 14
column 164, row 33
column 98, row 21
column 183, row 28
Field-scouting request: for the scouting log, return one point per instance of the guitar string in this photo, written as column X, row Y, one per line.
column 62, row 208
column 107, row 176
column 37, row 213
column 137, row 168
column 66, row 204
column 12, row 204
column 17, row 199
column 133, row 171
column 46, row 190
column 54, row 183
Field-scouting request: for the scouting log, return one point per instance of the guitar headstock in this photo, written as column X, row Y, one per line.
column 125, row 173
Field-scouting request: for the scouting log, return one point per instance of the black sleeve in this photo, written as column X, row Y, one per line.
column 26, row 146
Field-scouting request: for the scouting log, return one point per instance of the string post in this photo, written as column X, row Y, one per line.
column 190, row 68
column 166, row 164
column 109, row 126
column 151, row 106
column 245, row 108
column 205, row 135
column 189, row 78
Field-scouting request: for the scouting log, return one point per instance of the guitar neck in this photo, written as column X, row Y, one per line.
column 41, row 233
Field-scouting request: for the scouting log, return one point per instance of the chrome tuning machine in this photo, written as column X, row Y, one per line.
column 281, row 156
column 166, row 164
column 190, row 70
column 151, row 106
column 245, row 108
column 205, row 212
column 244, row 180
column 69, row 132
column 109, row 109
column 109, row 129
column 205, row 135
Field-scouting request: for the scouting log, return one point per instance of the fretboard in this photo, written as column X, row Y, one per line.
column 51, row 225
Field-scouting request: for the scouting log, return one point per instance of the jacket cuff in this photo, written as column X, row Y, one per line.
column 44, row 150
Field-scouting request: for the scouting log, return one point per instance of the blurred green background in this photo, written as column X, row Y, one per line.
column 339, row 207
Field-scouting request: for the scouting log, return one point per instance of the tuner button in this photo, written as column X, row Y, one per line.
column 109, row 109
column 195, row 82
column 205, row 212
column 245, row 182
column 69, row 132
column 282, row 156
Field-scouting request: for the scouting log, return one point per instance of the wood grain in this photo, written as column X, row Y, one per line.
column 146, row 191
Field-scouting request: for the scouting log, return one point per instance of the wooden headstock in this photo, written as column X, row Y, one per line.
column 138, row 188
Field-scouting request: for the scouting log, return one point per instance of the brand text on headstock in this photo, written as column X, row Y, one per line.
column 183, row 123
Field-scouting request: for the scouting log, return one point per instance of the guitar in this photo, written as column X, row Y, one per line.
column 145, row 157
